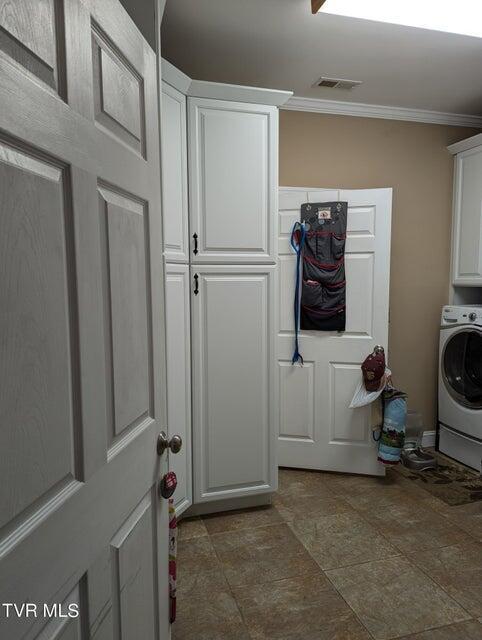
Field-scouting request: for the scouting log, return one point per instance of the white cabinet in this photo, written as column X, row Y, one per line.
column 178, row 348
column 174, row 175
column 234, row 389
column 467, row 222
column 177, row 283
column 233, row 181
column 220, row 144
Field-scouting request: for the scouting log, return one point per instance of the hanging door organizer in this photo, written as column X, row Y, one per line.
column 323, row 286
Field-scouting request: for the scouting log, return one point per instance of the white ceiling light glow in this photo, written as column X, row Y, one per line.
column 452, row 16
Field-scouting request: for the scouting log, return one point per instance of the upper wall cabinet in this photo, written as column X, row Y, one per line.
column 233, row 181
column 174, row 175
column 467, row 221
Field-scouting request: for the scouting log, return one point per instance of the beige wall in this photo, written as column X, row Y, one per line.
column 319, row 150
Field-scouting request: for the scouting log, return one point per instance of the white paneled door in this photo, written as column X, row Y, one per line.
column 82, row 362
column 234, row 399
column 233, row 181
column 318, row 430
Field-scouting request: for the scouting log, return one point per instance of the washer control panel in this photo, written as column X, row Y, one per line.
column 452, row 315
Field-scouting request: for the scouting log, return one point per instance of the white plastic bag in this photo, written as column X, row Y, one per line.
column 362, row 397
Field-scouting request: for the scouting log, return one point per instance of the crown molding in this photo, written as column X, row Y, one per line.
column 466, row 145
column 238, row 93
column 218, row 90
column 361, row 110
column 174, row 76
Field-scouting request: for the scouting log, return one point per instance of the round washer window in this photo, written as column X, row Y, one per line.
column 462, row 367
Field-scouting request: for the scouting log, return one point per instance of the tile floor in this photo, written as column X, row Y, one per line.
column 334, row 558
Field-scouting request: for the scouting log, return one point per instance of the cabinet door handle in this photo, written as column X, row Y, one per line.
column 195, row 244
column 196, row 284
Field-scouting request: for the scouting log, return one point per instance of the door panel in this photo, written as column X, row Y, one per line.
column 127, row 277
column 118, row 92
column 134, row 588
column 234, row 395
column 467, row 254
column 297, row 396
column 32, row 34
column 233, row 157
column 82, row 362
column 178, row 341
column 121, row 589
column 174, row 175
column 39, row 368
column 322, row 432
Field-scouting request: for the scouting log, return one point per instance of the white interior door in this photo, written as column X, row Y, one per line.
column 82, row 363
column 234, row 436
column 317, row 428
column 233, row 181
column 178, row 349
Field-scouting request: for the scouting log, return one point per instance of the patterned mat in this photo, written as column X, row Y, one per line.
column 452, row 482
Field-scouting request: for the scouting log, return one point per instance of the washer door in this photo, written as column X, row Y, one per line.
column 462, row 367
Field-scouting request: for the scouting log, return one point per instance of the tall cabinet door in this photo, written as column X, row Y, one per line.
column 174, row 174
column 233, row 181
column 234, row 439
column 178, row 339
column 467, row 224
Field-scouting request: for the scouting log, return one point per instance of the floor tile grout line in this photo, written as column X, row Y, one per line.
column 298, row 575
column 438, row 583
column 350, row 607
column 230, row 588
column 248, row 528
column 471, row 535
column 380, row 532
column 335, row 588
column 445, row 626
column 352, row 564
column 364, row 517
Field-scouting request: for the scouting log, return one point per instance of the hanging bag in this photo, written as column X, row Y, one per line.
column 323, row 288
column 320, row 287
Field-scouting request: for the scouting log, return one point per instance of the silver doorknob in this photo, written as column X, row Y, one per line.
column 163, row 443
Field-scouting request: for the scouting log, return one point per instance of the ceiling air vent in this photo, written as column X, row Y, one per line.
column 336, row 83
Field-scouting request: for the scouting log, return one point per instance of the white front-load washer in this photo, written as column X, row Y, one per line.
column 460, row 384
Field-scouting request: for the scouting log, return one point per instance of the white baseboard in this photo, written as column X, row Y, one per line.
column 428, row 439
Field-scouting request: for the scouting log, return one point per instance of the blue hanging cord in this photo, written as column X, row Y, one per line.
column 298, row 249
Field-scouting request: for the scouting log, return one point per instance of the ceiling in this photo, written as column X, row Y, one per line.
column 279, row 44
